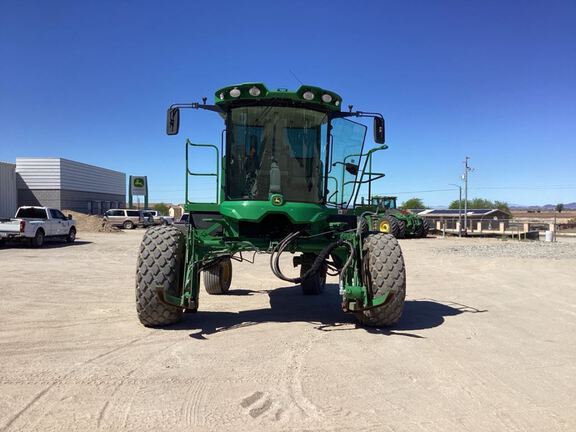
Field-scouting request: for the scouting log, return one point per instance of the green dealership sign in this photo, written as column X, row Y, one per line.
column 138, row 186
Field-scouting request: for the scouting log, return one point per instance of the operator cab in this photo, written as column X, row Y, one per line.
column 385, row 202
column 283, row 146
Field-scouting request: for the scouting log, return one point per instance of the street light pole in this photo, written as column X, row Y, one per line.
column 467, row 169
column 459, row 208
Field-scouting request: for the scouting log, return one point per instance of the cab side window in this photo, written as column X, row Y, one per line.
column 55, row 214
column 115, row 213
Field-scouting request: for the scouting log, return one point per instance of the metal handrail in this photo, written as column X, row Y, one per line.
column 216, row 174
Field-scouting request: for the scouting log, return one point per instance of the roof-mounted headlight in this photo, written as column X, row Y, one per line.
column 254, row 91
column 308, row 95
column 235, row 92
column 326, row 98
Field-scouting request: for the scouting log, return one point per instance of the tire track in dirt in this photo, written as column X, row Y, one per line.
column 135, row 390
column 294, row 377
column 40, row 395
column 194, row 403
column 287, row 402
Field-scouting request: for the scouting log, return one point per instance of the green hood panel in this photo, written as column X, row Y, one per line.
column 255, row 211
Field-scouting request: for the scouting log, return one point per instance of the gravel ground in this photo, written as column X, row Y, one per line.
column 562, row 249
column 486, row 343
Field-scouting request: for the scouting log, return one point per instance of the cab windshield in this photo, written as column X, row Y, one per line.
column 275, row 150
column 388, row 203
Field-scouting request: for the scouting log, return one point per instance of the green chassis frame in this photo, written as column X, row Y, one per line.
column 221, row 239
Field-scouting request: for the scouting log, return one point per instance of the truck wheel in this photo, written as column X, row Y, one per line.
column 71, row 237
column 316, row 283
column 388, row 225
column 38, row 240
column 160, row 264
column 383, row 272
column 218, row 277
column 401, row 229
column 128, row 225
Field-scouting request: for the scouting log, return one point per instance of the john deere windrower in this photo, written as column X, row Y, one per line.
column 289, row 171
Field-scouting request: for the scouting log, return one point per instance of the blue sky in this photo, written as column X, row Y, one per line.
column 493, row 80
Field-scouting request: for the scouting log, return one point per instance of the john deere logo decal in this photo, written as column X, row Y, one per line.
column 277, row 200
column 138, row 182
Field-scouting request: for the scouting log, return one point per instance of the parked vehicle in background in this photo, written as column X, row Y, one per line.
column 158, row 218
column 184, row 219
column 128, row 218
column 35, row 224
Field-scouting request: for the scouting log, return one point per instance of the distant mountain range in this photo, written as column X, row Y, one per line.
column 547, row 207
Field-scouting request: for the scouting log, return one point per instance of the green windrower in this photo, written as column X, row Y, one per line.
column 288, row 173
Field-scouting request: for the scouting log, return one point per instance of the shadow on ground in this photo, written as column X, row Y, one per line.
column 49, row 244
column 289, row 305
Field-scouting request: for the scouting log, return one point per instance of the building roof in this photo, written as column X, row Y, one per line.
column 455, row 212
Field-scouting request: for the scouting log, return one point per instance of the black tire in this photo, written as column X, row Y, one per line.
column 388, row 225
column 160, row 264
column 218, row 277
column 128, row 225
column 38, row 240
column 401, row 229
column 424, row 228
column 71, row 237
column 383, row 272
column 314, row 284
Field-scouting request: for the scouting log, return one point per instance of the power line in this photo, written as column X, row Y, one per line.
column 568, row 187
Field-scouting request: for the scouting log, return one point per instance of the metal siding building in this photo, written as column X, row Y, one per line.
column 8, row 192
column 69, row 185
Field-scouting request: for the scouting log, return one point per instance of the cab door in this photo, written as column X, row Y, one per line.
column 65, row 222
column 57, row 225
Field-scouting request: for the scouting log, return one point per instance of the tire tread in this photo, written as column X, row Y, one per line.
column 160, row 262
column 387, row 273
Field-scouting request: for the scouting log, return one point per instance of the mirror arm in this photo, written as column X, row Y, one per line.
column 197, row 105
column 341, row 114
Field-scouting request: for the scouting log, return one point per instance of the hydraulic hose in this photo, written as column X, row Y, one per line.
column 316, row 265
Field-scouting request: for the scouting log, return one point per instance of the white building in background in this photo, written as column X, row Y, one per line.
column 8, row 192
column 69, row 185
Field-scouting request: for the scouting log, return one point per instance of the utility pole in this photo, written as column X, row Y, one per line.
column 459, row 208
column 467, row 169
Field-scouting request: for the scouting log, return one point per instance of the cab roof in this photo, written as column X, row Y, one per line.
column 306, row 94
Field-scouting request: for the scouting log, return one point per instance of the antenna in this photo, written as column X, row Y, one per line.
column 294, row 75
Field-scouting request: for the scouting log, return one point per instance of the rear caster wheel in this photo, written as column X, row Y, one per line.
column 218, row 277
column 314, row 284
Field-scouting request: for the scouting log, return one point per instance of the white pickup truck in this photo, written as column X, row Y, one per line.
column 36, row 224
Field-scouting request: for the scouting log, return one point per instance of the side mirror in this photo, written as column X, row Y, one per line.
column 69, row 217
column 379, row 130
column 173, row 121
column 352, row 168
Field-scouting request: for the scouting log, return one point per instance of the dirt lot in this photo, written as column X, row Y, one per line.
column 486, row 344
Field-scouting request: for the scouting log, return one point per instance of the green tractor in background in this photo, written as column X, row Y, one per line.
column 289, row 170
column 399, row 223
